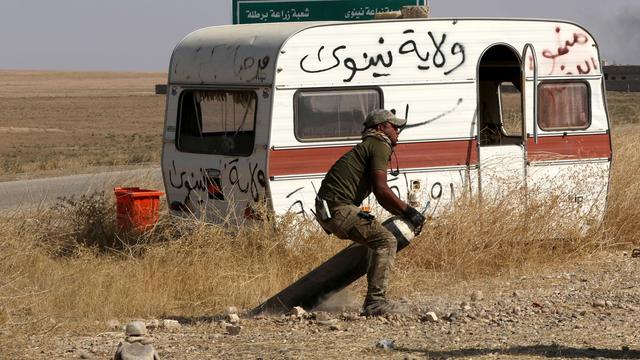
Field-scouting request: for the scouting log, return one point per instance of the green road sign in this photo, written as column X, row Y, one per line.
column 265, row 11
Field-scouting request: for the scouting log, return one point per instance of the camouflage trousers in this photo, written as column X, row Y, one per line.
column 345, row 223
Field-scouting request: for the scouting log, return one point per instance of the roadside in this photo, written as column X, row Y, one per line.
column 585, row 309
column 43, row 174
column 40, row 191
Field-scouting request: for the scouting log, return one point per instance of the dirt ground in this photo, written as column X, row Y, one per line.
column 587, row 309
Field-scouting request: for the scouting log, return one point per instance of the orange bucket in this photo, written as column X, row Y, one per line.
column 136, row 208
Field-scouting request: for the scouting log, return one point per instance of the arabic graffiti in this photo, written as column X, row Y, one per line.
column 434, row 53
column 209, row 182
column 564, row 48
column 256, row 178
column 251, row 67
column 191, row 182
column 298, row 203
column 436, row 192
column 437, row 117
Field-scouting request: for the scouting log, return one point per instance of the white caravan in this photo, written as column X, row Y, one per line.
column 257, row 114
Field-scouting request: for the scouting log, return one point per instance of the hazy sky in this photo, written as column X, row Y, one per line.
column 139, row 35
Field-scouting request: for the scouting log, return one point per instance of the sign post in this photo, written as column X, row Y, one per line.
column 265, row 11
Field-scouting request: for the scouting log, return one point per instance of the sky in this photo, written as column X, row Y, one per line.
column 139, row 35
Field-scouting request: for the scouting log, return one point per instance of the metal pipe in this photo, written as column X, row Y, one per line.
column 332, row 276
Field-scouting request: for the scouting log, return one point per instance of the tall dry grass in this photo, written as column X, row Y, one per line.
column 67, row 264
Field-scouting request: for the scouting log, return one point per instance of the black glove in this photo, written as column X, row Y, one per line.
column 415, row 218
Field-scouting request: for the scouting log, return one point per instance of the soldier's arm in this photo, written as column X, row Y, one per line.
column 385, row 196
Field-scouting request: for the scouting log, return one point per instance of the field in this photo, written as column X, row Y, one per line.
column 59, row 123
column 65, row 271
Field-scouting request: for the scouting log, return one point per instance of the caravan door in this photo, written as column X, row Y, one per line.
column 501, row 145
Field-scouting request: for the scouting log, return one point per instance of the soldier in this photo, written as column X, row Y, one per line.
column 350, row 180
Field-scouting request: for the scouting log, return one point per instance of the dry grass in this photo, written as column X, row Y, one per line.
column 62, row 263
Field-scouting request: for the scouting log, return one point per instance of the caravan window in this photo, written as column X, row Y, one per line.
column 217, row 122
column 333, row 114
column 563, row 106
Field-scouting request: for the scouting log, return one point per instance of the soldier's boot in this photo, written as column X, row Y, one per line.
column 383, row 307
column 380, row 264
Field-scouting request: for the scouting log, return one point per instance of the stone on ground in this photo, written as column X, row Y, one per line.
column 233, row 318
column 113, row 324
column 135, row 328
column 477, row 295
column 386, row 344
column 298, row 311
column 231, row 310
column 430, row 317
column 233, row 329
column 171, row 324
column 135, row 351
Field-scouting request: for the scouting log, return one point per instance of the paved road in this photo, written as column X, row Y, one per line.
column 29, row 193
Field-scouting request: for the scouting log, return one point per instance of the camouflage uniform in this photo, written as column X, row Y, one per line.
column 344, row 188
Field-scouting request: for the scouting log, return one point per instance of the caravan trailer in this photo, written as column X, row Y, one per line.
column 256, row 114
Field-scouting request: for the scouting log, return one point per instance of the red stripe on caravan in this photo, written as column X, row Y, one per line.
column 437, row 154
column 569, row 147
column 412, row 155
column 304, row 161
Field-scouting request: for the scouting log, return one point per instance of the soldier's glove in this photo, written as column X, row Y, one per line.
column 415, row 218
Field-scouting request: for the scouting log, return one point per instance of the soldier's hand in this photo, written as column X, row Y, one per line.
column 415, row 218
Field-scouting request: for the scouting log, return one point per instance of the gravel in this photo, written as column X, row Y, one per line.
column 587, row 309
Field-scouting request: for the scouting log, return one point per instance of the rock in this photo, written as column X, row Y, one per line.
column 430, row 317
column 85, row 355
column 452, row 316
column 335, row 327
column 298, row 311
column 223, row 324
column 329, row 322
column 477, row 295
column 608, row 303
column 233, row 318
column 233, row 329
column 136, row 351
column 135, row 328
column 231, row 310
column 599, row 303
column 516, row 310
column 386, row 344
column 171, row 324
column 113, row 324
column 352, row 317
column 465, row 306
column 153, row 324
column 322, row 316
